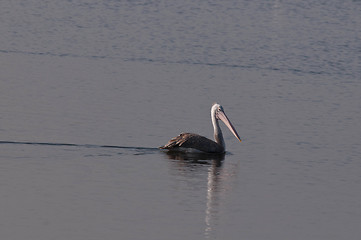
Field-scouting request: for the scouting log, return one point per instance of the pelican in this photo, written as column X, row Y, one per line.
column 203, row 144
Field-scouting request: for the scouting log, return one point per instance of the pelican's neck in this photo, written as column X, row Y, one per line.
column 218, row 136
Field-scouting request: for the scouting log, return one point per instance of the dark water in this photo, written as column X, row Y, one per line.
column 90, row 89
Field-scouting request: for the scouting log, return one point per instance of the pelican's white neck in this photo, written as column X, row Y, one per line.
column 218, row 136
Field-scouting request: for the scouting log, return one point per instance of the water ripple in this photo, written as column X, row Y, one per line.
column 183, row 62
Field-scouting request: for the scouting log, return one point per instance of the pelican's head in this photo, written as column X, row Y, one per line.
column 218, row 113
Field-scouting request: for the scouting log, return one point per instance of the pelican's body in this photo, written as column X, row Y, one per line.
column 195, row 141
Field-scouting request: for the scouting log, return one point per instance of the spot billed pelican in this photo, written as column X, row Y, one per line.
column 195, row 141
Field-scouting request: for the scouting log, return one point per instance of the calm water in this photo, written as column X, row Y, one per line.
column 90, row 89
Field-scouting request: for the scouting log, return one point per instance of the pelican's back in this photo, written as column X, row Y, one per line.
column 192, row 140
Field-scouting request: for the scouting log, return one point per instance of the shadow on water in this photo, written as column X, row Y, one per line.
column 196, row 157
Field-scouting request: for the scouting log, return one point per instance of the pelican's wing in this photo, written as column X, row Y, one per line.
column 192, row 140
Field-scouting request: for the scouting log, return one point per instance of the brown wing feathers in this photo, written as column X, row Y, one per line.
column 191, row 140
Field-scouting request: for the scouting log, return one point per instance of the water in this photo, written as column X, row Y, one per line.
column 90, row 89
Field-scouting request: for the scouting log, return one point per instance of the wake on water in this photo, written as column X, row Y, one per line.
column 175, row 155
column 143, row 150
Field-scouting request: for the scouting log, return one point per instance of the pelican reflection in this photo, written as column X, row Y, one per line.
column 208, row 174
column 196, row 157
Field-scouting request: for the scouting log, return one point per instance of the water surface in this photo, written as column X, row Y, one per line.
column 90, row 89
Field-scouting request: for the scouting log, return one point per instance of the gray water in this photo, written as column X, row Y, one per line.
column 89, row 90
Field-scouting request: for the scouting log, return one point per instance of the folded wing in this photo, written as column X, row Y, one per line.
column 192, row 140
